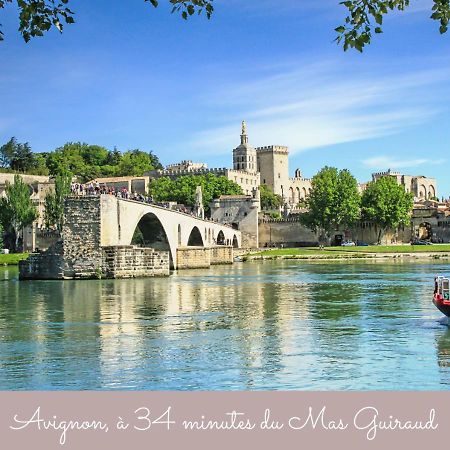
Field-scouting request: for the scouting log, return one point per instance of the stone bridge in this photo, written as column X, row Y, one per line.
column 108, row 237
column 125, row 222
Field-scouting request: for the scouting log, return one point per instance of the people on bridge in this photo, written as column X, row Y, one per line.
column 93, row 189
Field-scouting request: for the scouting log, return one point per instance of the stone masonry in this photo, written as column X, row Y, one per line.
column 97, row 236
column 133, row 262
column 79, row 254
column 81, row 238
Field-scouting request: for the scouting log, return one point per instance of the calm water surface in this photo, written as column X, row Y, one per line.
column 268, row 325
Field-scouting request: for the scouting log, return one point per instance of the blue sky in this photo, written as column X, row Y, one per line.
column 130, row 76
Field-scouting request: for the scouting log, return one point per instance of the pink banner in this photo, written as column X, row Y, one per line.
column 240, row 420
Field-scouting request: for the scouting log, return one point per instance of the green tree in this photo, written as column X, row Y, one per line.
column 67, row 158
column 366, row 17
column 1, row 236
column 37, row 16
column 16, row 208
column 269, row 200
column 54, row 201
column 386, row 203
column 136, row 163
column 23, row 159
column 17, row 157
column 7, row 153
column 182, row 190
column 39, row 165
column 334, row 202
column 114, row 157
column 94, row 155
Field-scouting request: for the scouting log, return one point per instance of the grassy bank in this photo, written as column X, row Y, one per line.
column 12, row 259
column 353, row 252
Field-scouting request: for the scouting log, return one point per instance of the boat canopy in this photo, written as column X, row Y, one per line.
column 443, row 287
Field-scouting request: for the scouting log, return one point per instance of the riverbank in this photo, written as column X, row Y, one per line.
column 438, row 251
column 12, row 259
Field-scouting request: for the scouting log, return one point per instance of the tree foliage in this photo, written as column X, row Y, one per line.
column 84, row 160
column 182, row 190
column 386, row 203
column 334, row 201
column 16, row 208
column 18, row 157
column 7, row 153
column 269, row 200
column 93, row 161
column 54, row 201
column 366, row 17
column 23, row 158
column 38, row 16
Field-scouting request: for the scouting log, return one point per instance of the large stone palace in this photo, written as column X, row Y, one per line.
column 423, row 188
column 269, row 165
column 251, row 167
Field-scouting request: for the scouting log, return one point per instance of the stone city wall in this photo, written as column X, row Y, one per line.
column 291, row 233
column 288, row 233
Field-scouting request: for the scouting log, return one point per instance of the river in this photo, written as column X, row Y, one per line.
column 276, row 325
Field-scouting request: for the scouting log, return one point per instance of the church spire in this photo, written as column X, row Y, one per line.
column 244, row 137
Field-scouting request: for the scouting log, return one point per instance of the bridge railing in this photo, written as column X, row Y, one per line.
column 147, row 201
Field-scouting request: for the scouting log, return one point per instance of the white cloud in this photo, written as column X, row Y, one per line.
column 386, row 162
column 321, row 105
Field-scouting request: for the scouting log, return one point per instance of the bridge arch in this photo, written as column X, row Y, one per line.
column 235, row 242
column 220, row 238
column 150, row 232
column 195, row 238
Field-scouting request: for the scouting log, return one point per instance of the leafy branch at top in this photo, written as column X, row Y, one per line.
column 366, row 16
column 38, row 16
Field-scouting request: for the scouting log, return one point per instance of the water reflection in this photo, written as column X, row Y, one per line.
column 269, row 325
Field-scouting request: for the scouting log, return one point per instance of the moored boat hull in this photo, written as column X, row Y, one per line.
column 441, row 304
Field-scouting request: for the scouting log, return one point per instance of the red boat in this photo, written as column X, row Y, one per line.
column 441, row 297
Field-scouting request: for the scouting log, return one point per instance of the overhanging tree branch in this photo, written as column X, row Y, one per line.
column 366, row 17
column 38, row 16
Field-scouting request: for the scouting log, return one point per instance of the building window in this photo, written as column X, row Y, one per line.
column 279, row 176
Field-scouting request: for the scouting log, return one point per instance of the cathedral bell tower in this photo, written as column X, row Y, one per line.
column 244, row 156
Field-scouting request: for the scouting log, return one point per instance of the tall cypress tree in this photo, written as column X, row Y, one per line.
column 16, row 208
